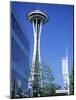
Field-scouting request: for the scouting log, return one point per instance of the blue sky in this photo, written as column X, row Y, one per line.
column 56, row 35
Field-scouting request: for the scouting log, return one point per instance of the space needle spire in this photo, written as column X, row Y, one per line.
column 37, row 19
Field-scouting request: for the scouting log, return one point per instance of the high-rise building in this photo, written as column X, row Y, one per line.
column 65, row 75
column 20, row 57
column 65, row 72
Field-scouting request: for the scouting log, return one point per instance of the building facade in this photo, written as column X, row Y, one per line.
column 20, row 58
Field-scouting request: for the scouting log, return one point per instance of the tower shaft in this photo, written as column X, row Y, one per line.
column 36, row 68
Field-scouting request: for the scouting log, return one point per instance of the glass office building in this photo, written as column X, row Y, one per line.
column 20, row 58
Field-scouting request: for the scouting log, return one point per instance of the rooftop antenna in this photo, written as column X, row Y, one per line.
column 66, row 52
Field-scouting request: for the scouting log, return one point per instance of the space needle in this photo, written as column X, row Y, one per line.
column 37, row 18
